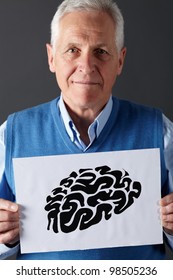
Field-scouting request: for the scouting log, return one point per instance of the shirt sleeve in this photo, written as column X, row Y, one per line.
column 2, row 149
column 5, row 193
column 168, row 153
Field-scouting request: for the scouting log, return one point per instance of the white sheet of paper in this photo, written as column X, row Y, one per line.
column 79, row 220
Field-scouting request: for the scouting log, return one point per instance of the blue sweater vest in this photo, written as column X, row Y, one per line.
column 40, row 131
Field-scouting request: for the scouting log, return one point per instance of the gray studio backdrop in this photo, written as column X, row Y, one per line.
column 25, row 79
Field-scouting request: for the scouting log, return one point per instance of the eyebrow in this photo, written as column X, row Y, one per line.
column 72, row 44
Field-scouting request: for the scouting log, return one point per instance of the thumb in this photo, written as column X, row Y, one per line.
column 8, row 205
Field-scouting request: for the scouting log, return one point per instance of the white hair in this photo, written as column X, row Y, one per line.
column 108, row 6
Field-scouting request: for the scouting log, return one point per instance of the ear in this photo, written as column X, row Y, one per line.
column 121, row 59
column 50, row 56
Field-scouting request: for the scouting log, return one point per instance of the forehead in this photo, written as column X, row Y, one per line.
column 87, row 24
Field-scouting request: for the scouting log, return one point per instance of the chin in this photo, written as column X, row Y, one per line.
column 84, row 98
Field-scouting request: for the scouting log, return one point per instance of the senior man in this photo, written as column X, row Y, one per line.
column 87, row 55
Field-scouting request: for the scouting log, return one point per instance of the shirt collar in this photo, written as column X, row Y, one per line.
column 94, row 129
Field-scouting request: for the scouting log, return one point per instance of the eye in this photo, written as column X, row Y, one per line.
column 101, row 51
column 102, row 54
column 72, row 50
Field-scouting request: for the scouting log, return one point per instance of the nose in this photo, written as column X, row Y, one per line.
column 86, row 63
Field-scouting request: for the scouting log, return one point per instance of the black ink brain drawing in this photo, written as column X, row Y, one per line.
column 85, row 198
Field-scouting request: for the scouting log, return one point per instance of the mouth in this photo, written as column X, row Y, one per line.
column 87, row 83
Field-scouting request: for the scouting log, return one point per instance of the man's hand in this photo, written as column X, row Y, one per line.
column 9, row 222
column 167, row 213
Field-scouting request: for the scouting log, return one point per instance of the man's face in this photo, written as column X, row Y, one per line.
column 85, row 60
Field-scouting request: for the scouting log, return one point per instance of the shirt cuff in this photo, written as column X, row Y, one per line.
column 6, row 252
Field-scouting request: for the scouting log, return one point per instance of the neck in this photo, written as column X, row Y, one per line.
column 83, row 118
column 82, row 123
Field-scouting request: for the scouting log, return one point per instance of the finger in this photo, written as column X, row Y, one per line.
column 168, row 209
column 167, row 200
column 8, row 205
column 167, row 218
column 10, row 236
column 168, row 227
column 7, row 216
column 4, row 226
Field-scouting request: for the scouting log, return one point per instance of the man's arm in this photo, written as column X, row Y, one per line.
column 9, row 215
column 167, row 201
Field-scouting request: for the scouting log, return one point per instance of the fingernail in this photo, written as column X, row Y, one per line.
column 13, row 207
